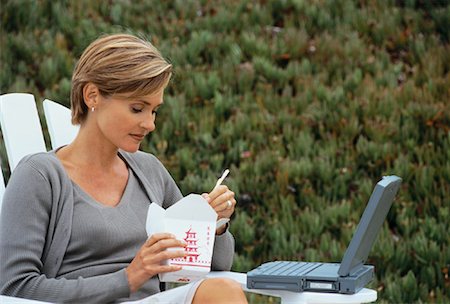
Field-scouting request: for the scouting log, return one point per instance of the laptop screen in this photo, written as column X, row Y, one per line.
column 370, row 224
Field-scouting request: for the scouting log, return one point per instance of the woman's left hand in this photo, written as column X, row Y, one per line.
column 222, row 200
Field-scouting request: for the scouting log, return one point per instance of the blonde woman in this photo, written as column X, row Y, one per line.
column 73, row 223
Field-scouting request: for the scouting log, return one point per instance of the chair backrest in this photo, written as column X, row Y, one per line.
column 59, row 125
column 21, row 130
column 2, row 187
column 21, row 127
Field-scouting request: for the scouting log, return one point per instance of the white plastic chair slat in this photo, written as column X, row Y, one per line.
column 59, row 125
column 2, row 187
column 21, row 127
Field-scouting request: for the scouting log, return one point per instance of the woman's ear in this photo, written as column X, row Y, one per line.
column 91, row 95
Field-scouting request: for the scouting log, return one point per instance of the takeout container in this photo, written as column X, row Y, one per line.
column 193, row 220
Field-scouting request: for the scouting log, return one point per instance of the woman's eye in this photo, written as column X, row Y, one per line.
column 136, row 110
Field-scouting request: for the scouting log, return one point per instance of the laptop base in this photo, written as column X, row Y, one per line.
column 316, row 277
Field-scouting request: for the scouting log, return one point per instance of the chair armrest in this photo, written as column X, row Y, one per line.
column 14, row 300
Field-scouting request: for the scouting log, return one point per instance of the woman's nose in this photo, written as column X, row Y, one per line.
column 149, row 124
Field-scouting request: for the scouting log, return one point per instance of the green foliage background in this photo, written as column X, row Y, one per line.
column 309, row 103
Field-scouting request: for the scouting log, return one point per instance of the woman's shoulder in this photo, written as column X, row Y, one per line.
column 144, row 162
column 38, row 170
column 142, row 158
column 41, row 161
column 40, row 157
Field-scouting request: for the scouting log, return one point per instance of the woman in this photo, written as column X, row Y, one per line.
column 73, row 223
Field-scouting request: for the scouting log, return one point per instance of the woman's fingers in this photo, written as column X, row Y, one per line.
column 150, row 258
column 223, row 201
column 220, row 197
column 165, row 268
column 158, row 237
column 217, row 192
column 164, row 244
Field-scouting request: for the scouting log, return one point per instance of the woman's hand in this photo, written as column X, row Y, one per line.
column 223, row 202
column 148, row 261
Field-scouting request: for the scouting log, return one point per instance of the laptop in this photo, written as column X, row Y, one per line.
column 347, row 277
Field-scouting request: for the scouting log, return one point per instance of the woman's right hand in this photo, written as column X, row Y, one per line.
column 148, row 261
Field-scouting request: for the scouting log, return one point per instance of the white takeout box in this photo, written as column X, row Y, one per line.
column 193, row 220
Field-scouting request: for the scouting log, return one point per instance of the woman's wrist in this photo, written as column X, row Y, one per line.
column 135, row 278
column 222, row 229
column 130, row 280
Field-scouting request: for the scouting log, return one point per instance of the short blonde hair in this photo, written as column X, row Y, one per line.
column 118, row 64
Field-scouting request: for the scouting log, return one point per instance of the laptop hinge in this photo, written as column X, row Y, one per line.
column 355, row 270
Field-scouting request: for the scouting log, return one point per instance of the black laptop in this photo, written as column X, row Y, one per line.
column 347, row 277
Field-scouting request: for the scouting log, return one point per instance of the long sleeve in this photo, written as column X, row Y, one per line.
column 26, row 231
column 223, row 251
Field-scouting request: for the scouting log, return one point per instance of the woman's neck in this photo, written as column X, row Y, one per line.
column 87, row 150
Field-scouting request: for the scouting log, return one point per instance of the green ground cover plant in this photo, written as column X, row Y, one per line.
column 308, row 103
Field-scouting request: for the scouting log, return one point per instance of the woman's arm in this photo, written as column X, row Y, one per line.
column 224, row 243
column 26, row 229
column 223, row 251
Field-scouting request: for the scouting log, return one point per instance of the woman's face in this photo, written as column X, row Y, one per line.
column 125, row 121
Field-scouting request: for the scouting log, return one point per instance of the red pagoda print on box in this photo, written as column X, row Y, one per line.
column 192, row 247
column 194, row 251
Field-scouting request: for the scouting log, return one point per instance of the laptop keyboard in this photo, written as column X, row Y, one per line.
column 285, row 268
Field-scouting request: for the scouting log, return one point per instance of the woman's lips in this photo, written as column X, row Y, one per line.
column 138, row 137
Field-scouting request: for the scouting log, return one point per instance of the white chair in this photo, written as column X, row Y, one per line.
column 21, row 127
column 2, row 187
column 21, row 130
column 13, row 300
column 59, row 125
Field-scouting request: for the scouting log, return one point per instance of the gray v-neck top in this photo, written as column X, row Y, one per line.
column 38, row 224
column 105, row 237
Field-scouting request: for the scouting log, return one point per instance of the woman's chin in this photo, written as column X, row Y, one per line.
column 130, row 148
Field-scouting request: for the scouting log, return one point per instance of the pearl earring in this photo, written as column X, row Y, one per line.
column 92, row 109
